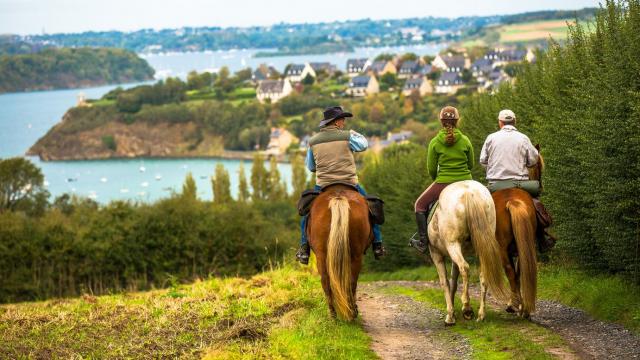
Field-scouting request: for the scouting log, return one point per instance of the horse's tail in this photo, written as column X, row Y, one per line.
column 483, row 238
column 524, row 233
column 339, row 259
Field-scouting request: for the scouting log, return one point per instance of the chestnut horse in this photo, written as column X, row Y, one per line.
column 465, row 221
column 516, row 233
column 339, row 233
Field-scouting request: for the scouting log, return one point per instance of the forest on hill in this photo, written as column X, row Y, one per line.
column 53, row 68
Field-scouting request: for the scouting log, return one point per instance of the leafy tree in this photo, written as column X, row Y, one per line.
column 308, row 80
column 275, row 188
column 243, row 187
column 299, row 175
column 189, row 189
column 408, row 57
column 259, row 178
column 387, row 81
column 221, row 185
column 21, row 184
column 385, row 57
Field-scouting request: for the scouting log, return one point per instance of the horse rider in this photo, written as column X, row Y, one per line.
column 330, row 156
column 449, row 159
column 506, row 155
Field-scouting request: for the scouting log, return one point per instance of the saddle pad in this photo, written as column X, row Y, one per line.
column 530, row 186
column 432, row 211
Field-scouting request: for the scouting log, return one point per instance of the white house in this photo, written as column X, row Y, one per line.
column 451, row 63
column 419, row 84
column 273, row 90
column 297, row 72
column 449, row 83
column 363, row 85
column 356, row 67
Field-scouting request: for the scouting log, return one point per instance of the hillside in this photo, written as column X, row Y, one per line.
column 71, row 68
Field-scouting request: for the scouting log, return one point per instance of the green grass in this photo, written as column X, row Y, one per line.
column 605, row 297
column 277, row 314
column 500, row 336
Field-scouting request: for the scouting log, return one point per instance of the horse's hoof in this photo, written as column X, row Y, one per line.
column 467, row 314
column 449, row 321
column 525, row 315
column 480, row 318
column 510, row 309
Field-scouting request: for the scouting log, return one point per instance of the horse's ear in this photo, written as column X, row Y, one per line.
column 537, row 147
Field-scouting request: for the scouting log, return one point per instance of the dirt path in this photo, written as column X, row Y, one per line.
column 402, row 328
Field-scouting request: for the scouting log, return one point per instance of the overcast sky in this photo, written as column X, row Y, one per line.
column 52, row 16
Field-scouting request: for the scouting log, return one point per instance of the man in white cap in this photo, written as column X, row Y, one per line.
column 507, row 154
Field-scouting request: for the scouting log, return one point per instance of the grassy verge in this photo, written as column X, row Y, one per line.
column 605, row 297
column 277, row 314
column 500, row 336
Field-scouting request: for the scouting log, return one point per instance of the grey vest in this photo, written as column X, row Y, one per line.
column 333, row 156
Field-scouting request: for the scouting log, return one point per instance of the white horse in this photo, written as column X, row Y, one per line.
column 466, row 212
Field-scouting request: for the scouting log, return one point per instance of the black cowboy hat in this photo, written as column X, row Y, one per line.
column 334, row 113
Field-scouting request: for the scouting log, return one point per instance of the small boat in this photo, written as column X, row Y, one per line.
column 144, row 184
column 142, row 193
column 72, row 179
column 124, row 190
column 158, row 177
column 93, row 195
column 203, row 177
column 103, row 179
column 143, row 169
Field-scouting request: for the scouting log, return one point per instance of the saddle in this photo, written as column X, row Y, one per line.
column 375, row 203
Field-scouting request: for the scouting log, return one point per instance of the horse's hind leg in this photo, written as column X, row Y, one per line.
column 438, row 261
column 514, row 301
column 483, row 297
column 453, row 282
column 324, row 280
column 455, row 252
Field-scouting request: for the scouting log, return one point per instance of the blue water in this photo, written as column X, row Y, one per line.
column 25, row 117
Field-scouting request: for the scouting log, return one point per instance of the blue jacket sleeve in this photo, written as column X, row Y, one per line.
column 358, row 142
column 310, row 161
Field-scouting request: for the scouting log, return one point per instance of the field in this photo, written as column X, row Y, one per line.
column 277, row 314
column 533, row 31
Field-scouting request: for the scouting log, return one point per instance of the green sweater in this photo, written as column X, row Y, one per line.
column 449, row 164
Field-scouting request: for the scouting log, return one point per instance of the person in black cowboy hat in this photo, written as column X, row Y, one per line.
column 330, row 156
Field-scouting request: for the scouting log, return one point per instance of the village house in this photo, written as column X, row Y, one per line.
column 273, row 90
column 451, row 63
column 263, row 72
column 297, row 72
column 420, row 84
column 482, row 67
column 409, row 68
column 449, row 83
column 379, row 68
column 279, row 141
column 323, row 66
column 402, row 137
column 363, row 85
column 356, row 67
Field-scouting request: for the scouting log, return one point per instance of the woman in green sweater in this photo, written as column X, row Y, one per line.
column 450, row 159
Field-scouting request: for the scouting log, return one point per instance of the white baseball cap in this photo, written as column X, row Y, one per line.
column 506, row 115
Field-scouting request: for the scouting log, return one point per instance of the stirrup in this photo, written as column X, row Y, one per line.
column 417, row 244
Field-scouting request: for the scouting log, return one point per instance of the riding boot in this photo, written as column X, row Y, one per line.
column 421, row 244
column 378, row 250
column 303, row 254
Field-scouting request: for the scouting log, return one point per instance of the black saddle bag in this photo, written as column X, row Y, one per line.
column 306, row 200
column 376, row 209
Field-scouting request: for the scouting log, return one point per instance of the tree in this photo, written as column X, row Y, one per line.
column 243, row 187
column 189, row 189
column 21, row 184
column 408, row 57
column 385, row 57
column 259, row 178
column 275, row 188
column 308, row 80
column 299, row 175
column 221, row 185
column 388, row 81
